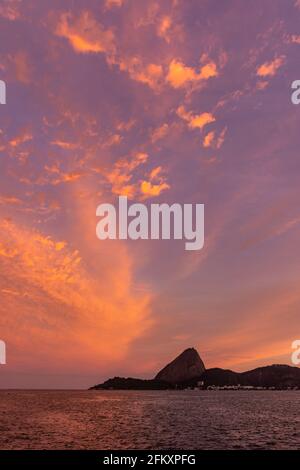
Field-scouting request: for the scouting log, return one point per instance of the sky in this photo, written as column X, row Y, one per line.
column 173, row 101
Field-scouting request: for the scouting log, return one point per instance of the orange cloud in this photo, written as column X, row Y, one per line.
column 64, row 145
column 201, row 120
column 221, row 138
column 151, row 74
column 113, row 3
column 113, row 139
column 10, row 200
column 123, row 180
column 270, row 68
column 68, row 177
column 179, row 74
column 262, row 84
column 71, row 317
column 155, row 185
column 57, row 176
column 163, row 28
column 21, row 139
column 86, row 35
column 195, row 121
column 214, row 141
column 149, row 190
column 121, row 175
column 159, row 132
column 208, row 139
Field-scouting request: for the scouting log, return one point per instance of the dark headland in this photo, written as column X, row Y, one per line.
column 188, row 371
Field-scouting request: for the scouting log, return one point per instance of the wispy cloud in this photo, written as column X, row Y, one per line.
column 54, row 278
column 155, row 184
column 195, row 121
column 179, row 75
column 269, row 69
column 85, row 34
column 114, row 3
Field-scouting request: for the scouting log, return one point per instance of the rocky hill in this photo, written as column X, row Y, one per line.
column 129, row 383
column 186, row 366
column 277, row 375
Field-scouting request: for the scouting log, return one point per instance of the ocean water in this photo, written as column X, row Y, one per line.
column 149, row 420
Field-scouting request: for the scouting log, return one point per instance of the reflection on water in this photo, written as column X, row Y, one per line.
column 149, row 420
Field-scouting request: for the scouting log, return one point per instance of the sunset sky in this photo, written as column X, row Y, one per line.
column 162, row 101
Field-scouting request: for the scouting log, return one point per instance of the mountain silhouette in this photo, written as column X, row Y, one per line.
column 188, row 365
column 188, row 370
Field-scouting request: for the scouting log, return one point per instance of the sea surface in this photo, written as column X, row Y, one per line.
column 150, row 420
